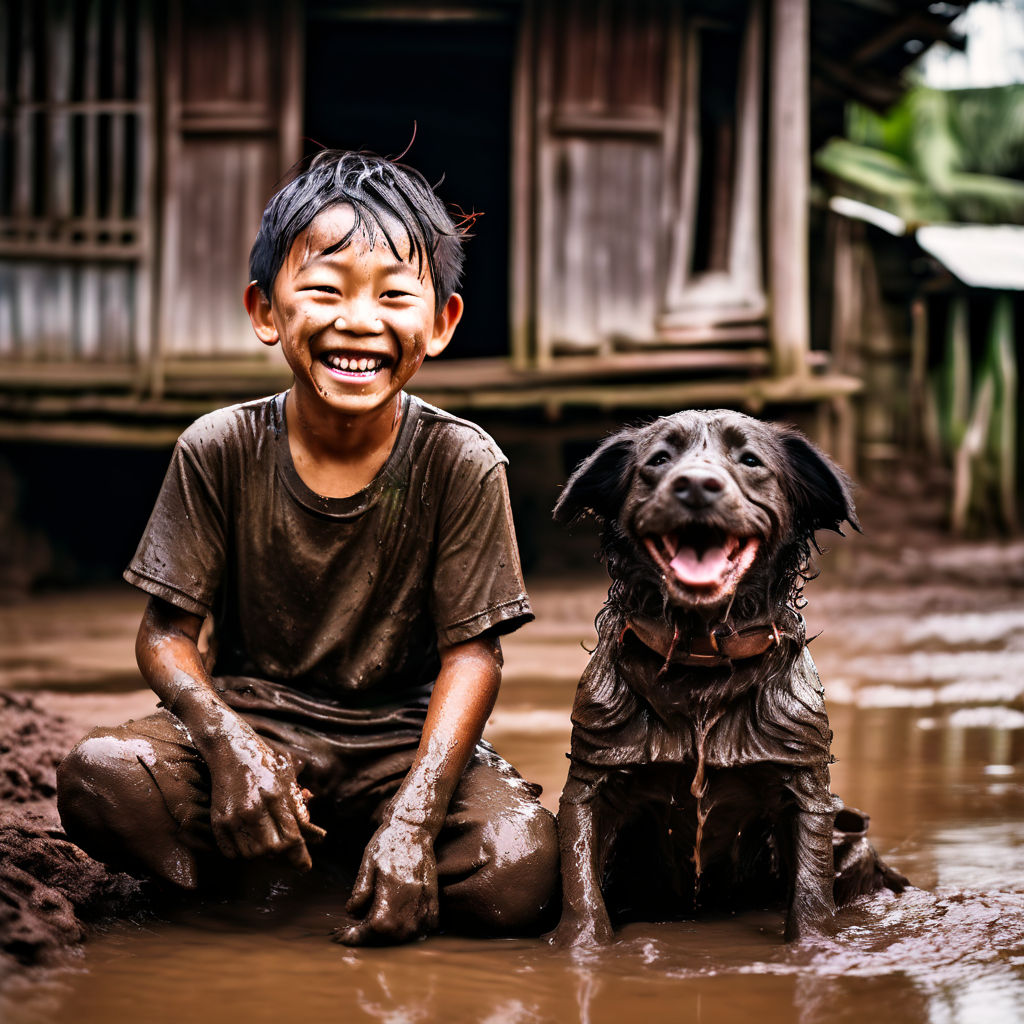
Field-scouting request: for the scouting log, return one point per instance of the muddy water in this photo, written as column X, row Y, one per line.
column 924, row 685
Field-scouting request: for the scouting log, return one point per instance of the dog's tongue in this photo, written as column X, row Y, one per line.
column 700, row 570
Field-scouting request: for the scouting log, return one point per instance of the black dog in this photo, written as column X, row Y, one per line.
column 699, row 772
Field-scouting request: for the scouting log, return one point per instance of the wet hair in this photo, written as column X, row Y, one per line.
column 384, row 195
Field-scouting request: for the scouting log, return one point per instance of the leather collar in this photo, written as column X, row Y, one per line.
column 721, row 645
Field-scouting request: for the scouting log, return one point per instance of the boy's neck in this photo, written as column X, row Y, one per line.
column 336, row 455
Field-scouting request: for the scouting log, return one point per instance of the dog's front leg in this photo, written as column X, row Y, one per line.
column 812, row 908
column 583, row 845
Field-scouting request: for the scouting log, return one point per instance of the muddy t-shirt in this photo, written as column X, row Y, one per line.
column 337, row 600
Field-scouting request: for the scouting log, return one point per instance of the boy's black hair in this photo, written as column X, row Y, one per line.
column 382, row 193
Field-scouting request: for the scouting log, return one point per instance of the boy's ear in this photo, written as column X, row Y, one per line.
column 257, row 305
column 445, row 323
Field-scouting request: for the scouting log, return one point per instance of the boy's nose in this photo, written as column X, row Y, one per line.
column 359, row 318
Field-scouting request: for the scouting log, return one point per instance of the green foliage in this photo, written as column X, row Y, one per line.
column 978, row 424
column 937, row 155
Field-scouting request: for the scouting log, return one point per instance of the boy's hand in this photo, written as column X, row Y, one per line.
column 256, row 806
column 398, row 882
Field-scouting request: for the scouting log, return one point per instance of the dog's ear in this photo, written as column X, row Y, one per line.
column 821, row 492
column 597, row 487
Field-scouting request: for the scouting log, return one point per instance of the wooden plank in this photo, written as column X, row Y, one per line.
column 92, row 434
column 751, row 395
column 21, row 197
column 522, row 238
column 545, row 264
column 745, row 234
column 789, row 170
column 681, row 249
column 117, row 205
column 7, row 312
column 146, row 337
column 42, row 250
column 28, row 373
column 644, row 122
column 90, row 333
column 168, row 232
column 58, row 168
column 60, row 302
column 91, row 57
column 292, row 75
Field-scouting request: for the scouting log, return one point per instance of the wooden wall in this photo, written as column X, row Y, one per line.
column 76, row 129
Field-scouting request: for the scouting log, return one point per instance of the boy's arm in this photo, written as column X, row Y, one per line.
column 256, row 806
column 397, row 881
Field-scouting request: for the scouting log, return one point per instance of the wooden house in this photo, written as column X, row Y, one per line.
column 642, row 165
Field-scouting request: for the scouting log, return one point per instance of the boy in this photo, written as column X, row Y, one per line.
column 354, row 548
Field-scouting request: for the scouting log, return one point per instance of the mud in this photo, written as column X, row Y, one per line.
column 921, row 651
column 49, row 888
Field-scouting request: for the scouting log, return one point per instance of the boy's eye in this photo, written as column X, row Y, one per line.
column 395, row 293
column 327, row 289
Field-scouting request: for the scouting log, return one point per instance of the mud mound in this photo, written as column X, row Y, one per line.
column 48, row 887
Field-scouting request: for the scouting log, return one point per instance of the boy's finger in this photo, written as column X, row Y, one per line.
column 298, row 856
column 363, row 889
column 432, row 918
column 225, row 840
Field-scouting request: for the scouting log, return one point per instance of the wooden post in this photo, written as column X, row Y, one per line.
column 789, row 170
column 522, row 237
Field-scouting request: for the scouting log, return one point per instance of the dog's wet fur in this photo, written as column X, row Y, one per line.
column 700, row 749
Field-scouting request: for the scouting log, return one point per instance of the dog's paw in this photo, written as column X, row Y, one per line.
column 577, row 933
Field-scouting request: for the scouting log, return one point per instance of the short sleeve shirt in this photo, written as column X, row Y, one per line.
column 340, row 599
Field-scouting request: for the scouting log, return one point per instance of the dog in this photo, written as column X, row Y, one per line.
column 700, row 751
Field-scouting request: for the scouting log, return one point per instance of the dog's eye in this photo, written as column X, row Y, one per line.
column 750, row 459
column 658, row 459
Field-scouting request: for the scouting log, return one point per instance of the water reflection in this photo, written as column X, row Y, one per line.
column 940, row 769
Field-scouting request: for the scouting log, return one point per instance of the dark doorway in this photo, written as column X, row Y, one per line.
column 368, row 79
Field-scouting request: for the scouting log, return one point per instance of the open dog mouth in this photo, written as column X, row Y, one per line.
column 354, row 364
column 703, row 560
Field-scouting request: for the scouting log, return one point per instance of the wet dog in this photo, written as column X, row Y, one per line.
column 699, row 770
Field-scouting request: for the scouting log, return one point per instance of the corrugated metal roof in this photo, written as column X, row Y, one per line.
column 980, row 255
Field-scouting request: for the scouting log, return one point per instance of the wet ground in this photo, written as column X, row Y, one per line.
column 922, row 655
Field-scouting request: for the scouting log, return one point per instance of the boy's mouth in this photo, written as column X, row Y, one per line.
column 354, row 364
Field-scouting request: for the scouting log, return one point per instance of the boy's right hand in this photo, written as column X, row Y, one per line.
column 256, row 806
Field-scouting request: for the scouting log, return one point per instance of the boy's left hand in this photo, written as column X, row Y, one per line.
column 398, row 882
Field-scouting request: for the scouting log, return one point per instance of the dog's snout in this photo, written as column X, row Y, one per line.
column 698, row 486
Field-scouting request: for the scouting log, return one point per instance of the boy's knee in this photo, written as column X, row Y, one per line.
column 519, row 881
column 97, row 777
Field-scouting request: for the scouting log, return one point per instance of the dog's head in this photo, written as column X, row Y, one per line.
column 709, row 500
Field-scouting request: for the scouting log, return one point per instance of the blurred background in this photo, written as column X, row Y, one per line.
column 808, row 211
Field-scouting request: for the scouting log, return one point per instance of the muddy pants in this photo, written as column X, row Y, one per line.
column 138, row 797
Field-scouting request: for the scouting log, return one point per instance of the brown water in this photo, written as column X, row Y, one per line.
column 925, row 685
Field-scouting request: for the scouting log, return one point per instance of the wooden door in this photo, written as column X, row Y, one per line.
column 648, row 169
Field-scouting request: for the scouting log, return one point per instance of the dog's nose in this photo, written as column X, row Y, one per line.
column 698, row 487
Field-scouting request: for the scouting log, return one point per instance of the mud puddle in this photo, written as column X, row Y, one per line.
column 925, row 696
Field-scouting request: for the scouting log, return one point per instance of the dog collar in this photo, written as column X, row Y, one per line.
column 719, row 646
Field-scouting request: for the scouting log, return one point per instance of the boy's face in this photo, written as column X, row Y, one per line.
column 354, row 323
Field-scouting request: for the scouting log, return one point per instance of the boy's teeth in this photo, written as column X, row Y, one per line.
column 354, row 365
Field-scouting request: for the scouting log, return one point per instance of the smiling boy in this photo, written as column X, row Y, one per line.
column 354, row 549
